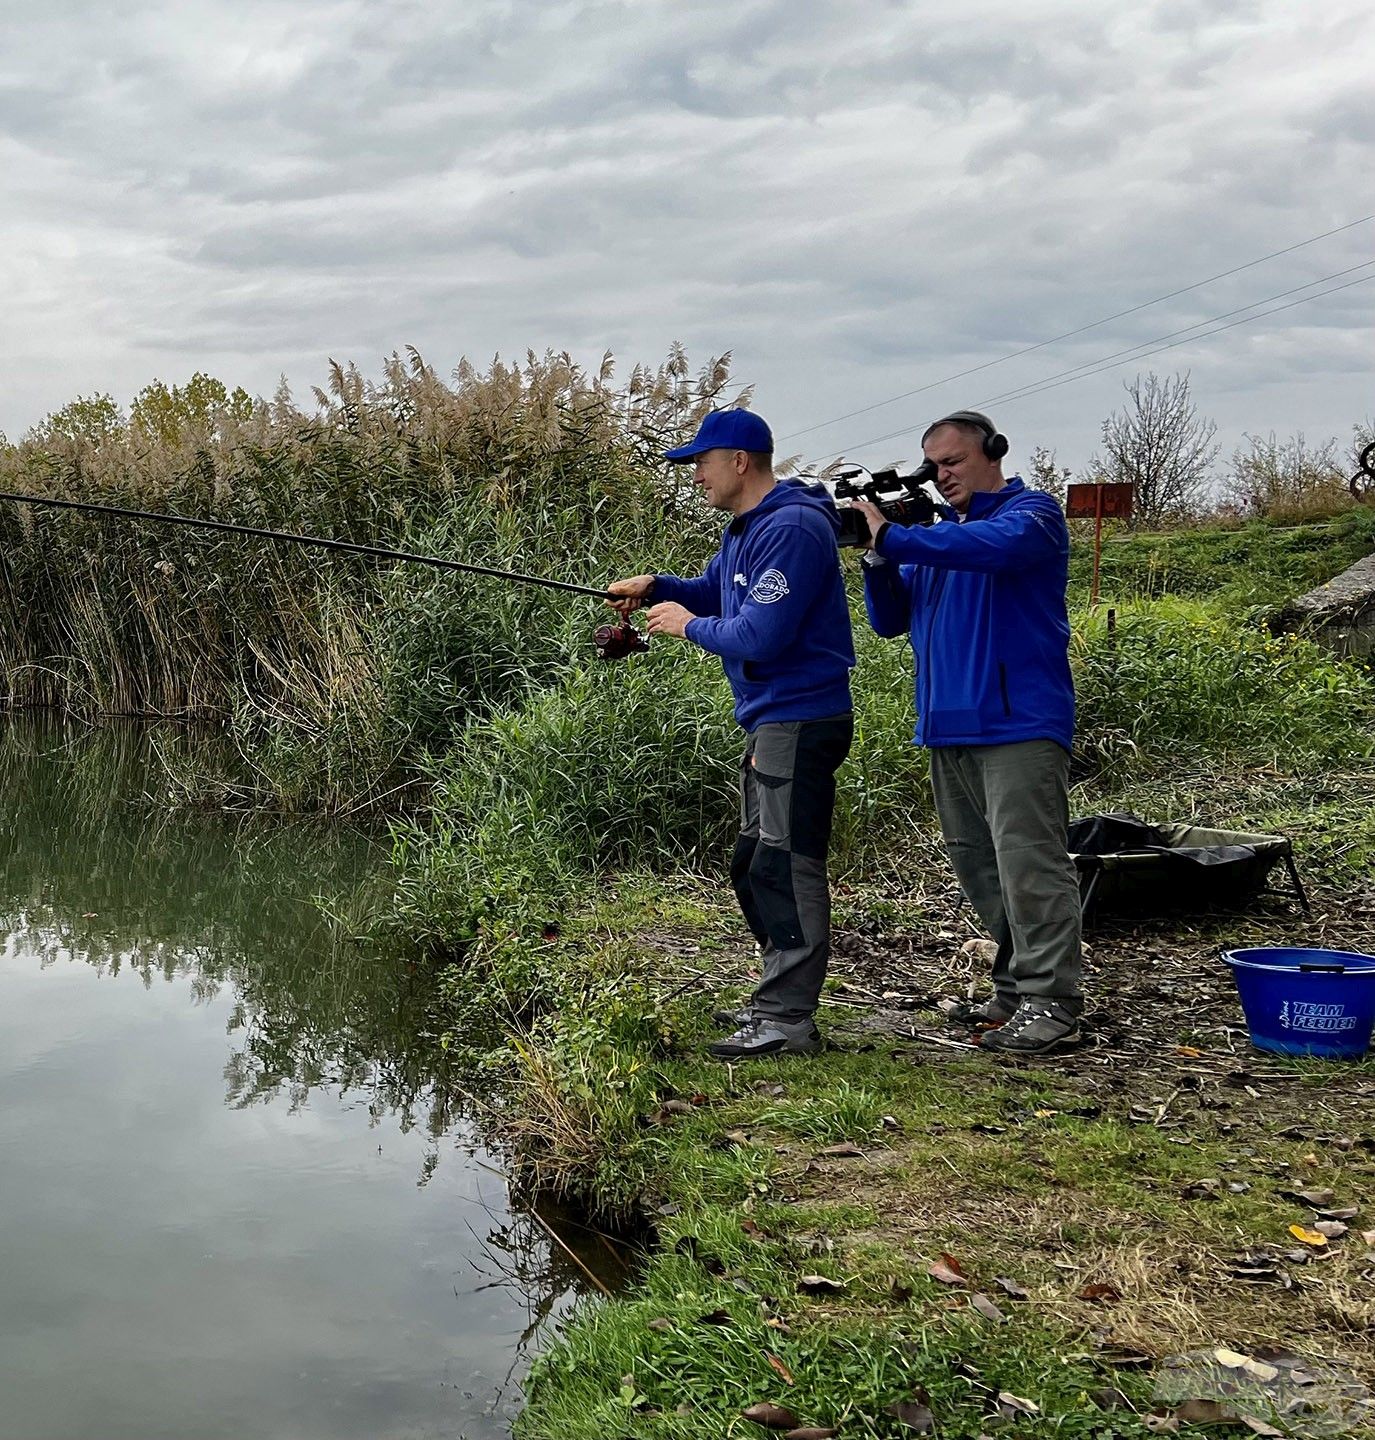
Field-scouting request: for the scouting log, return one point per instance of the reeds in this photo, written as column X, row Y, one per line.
column 331, row 669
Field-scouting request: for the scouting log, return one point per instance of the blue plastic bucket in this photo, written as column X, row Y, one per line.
column 1306, row 1002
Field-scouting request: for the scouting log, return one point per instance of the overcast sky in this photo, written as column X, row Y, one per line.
column 857, row 199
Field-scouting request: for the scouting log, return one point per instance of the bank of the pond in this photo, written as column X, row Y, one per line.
column 903, row 1225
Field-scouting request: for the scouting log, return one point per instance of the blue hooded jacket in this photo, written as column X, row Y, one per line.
column 772, row 605
column 984, row 603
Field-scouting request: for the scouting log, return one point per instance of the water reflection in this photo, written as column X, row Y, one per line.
column 219, row 1136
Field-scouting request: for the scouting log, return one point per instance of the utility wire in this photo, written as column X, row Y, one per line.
column 377, row 551
column 1111, row 362
column 1070, row 334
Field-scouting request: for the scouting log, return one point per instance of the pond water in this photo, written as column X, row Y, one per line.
column 235, row 1198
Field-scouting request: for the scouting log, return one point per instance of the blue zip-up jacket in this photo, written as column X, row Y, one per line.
column 984, row 603
column 772, row 605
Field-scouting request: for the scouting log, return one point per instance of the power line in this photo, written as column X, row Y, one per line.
column 1113, row 362
column 1083, row 329
column 1053, row 382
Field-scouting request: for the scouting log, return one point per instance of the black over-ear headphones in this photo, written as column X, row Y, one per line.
column 995, row 446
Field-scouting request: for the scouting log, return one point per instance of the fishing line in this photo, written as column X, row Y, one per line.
column 376, row 551
column 1070, row 334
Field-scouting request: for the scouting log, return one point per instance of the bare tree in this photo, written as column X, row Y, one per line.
column 1160, row 444
column 1362, row 437
column 1285, row 477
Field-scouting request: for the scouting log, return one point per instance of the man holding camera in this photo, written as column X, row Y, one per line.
column 982, row 596
column 772, row 605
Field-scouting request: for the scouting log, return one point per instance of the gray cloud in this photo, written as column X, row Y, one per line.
column 855, row 200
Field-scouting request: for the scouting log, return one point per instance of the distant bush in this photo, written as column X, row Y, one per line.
column 1176, row 681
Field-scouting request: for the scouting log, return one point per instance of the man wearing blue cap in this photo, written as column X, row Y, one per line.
column 772, row 605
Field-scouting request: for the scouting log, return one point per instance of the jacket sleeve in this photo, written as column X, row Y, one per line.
column 702, row 596
column 789, row 565
column 1017, row 536
column 888, row 598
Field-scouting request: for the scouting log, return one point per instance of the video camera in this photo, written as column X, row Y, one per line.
column 899, row 498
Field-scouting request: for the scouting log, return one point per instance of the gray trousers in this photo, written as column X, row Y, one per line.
column 787, row 799
column 1004, row 813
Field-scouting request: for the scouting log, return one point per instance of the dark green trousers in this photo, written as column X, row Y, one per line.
column 1004, row 813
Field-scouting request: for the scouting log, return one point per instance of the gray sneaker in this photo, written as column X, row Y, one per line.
column 760, row 1035
column 986, row 1015
column 732, row 1019
column 1038, row 1027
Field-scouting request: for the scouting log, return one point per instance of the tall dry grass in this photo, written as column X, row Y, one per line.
column 329, row 668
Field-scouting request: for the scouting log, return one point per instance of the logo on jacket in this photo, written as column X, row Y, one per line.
column 740, row 578
column 772, row 585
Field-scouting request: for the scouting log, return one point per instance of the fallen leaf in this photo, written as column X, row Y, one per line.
column 947, row 1271
column 1316, row 1198
column 1368, row 1237
column 1314, row 1238
column 1011, row 1287
column 1259, row 1370
column 1259, row 1427
column 914, row 1414
column 846, row 1150
column 662, row 1323
column 812, row 1432
column 819, row 1285
column 779, row 1367
column 1106, row 1398
column 1232, row 1359
column 771, row 1416
column 667, row 1110
column 1201, row 1190
column 1100, row 1290
column 1159, row 1424
column 987, row 1309
column 716, row 1317
column 1012, row 1405
column 1345, row 1212
column 1190, row 1051
column 1331, row 1229
column 1203, row 1412
column 732, row 1139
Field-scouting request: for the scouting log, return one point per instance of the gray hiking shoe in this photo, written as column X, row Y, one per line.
column 1038, row 1027
column 986, row 1015
column 760, row 1035
column 732, row 1019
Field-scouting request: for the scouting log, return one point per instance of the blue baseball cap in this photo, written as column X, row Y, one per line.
column 727, row 430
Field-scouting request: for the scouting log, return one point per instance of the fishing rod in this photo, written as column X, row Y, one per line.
column 613, row 642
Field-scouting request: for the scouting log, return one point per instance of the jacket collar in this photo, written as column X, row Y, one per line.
column 983, row 503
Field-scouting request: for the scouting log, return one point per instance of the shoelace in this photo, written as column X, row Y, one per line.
column 1026, row 1016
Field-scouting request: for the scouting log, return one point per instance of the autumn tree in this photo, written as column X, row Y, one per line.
column 1286, row 478
column 165, row 413
column 1160, row 444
